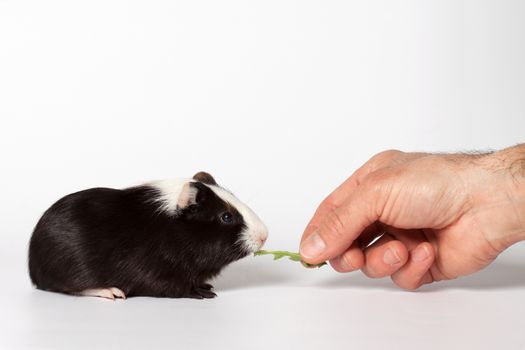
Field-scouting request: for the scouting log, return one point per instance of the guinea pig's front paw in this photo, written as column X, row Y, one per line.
column 202, row 292
column 108, row 293
column 206, row 286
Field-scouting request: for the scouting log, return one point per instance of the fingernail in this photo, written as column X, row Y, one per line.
column 346, row 264
column 391, row 257
column 420, row 254
column 313, row 246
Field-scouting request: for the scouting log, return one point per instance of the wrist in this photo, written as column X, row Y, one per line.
column 506, row 169
column 516, row 186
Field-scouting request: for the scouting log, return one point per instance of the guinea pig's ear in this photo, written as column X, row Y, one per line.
column 203, row 192
column 187, row 196
column 205, row 178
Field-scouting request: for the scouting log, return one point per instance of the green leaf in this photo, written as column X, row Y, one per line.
column 278, row 254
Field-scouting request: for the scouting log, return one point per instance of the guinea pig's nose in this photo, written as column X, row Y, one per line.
column 263, row 237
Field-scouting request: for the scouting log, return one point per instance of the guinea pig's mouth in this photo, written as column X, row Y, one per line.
column 260, row 243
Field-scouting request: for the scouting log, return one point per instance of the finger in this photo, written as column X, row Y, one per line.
column 412, row 239
column 333, row 201
column 341, row 193
column 343, row 225
column 351, row 260
column 415, row 273
column 384, row 257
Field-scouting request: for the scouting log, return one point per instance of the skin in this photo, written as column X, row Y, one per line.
column 437, row 216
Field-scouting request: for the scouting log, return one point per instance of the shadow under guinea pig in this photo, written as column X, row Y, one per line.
column 250, row 273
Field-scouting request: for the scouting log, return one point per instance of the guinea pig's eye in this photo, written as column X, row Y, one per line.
column 193, row 209
column 227, row 218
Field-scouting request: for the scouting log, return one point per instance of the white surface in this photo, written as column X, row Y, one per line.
column 281, row 101
column 280, row 305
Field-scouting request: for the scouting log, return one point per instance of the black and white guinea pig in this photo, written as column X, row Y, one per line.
column 161, row 239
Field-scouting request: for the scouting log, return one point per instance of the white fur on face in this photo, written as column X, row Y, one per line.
column 255, row 233
column 176, row 194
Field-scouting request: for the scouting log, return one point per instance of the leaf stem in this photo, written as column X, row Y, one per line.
column 278, row 254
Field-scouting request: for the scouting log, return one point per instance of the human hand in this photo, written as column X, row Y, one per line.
column 438, row 216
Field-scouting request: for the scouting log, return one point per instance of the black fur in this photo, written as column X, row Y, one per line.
column 102, row 237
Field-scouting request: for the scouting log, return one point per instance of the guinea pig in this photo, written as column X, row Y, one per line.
column 161, row 239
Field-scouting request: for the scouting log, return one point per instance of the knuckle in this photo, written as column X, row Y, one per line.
column 377, row 179
column 381, row 160
column 391, row 152
column 387, row 154
column 333, row 227
column 329, row 203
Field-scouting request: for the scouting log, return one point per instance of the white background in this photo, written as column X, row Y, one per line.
column 281, row 101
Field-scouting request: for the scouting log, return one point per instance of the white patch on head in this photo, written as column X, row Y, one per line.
column 174, row 194
column 177, row 194
column 255, row 233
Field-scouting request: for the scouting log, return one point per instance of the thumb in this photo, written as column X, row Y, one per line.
column 340, row 227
